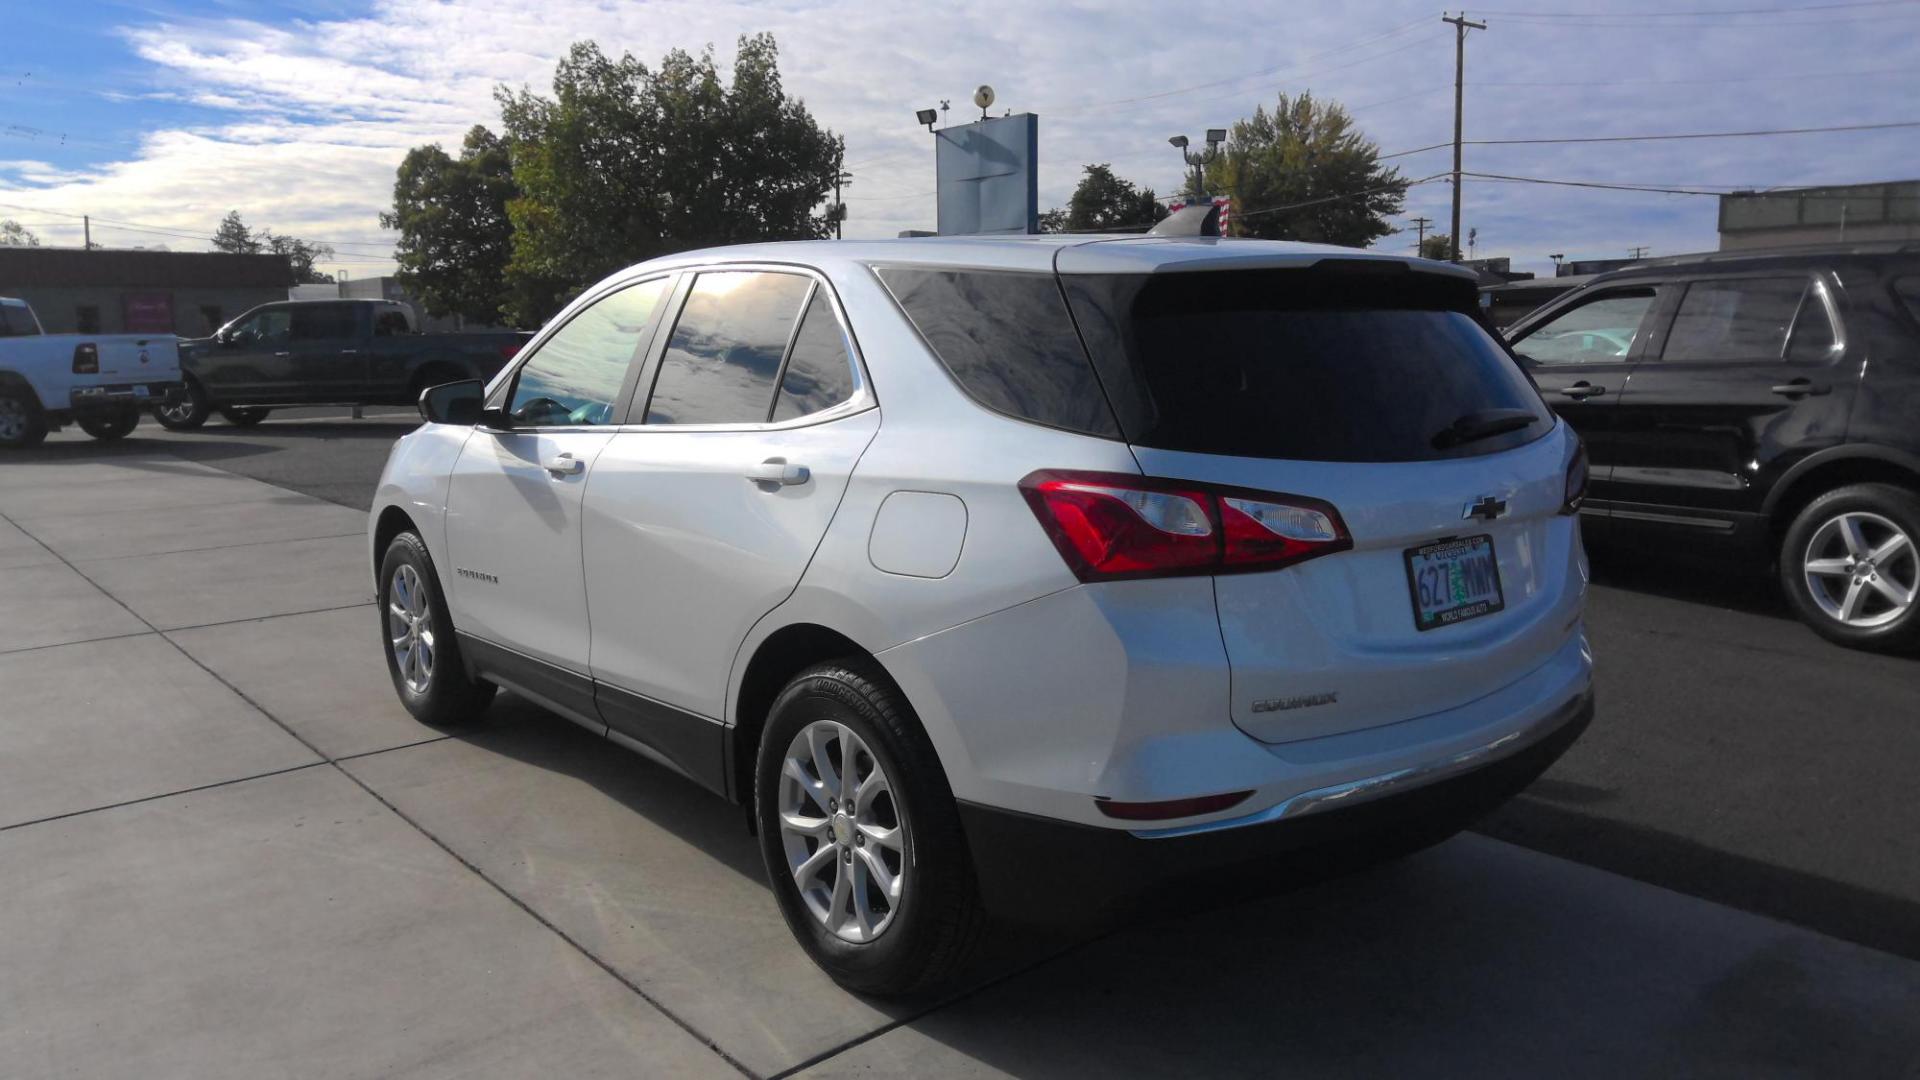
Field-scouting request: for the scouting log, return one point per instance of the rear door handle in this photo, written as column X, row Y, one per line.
column 1582, row 390
column 283, row 354
column 1802, row 388
column 777, row 471
column 565, row 465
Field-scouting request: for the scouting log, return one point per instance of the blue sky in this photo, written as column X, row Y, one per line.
column 157, row 118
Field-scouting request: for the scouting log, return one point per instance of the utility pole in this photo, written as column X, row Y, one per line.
column 839, row 211
column 1461, row 24
column 1637, row 253
column 86, row 230
column 1420, row 232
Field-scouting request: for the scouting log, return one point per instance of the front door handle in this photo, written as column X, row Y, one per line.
column 283, row 354
column 1802, row 388
column 1582, row 390
column 565, row 465
column 776, row 471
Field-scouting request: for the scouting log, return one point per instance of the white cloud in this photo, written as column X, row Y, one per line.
column 305, row 121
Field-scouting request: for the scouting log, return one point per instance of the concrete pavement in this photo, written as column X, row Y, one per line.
column 226, row 851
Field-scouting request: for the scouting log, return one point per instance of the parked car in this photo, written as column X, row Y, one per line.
column 1507, row 304
column 1011, row 575
column 102, row 382
column 1757, row 407
column 325, row 352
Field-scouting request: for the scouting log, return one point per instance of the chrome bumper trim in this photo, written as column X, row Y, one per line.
column 1368, row 788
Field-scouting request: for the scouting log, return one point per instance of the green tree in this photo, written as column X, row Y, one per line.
column 233, row 236
column 301, row 255
column 1103, row 202
column 1437, row 246
column 1307, row 155
column 455, row 237
column 14, row 234
column 625, row 163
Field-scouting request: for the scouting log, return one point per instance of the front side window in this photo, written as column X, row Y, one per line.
column 575, row 376
column 719, row 366
column 1736, row 319
column 819, row 372
column 1600, row 331
column 268, row 325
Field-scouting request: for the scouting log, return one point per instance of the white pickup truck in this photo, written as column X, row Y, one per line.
column 102, row 382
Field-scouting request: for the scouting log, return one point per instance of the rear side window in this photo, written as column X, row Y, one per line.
column 1305, row 365
column 318, row 322
column 1908, row 290
column 720, row 364
column 1742, row 319
column 1009, row 341
column 819, row 373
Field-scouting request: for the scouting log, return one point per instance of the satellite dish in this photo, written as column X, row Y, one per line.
column 983, row 97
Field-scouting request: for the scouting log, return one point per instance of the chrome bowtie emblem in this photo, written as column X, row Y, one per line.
column 1485, row 508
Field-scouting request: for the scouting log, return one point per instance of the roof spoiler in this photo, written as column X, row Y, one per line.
column 1200, row 219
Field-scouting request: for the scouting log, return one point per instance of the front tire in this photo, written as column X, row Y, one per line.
column 22, row 423
column 186, row 412
column 112, row 424
column 1850, row 566
column 244, row 415
column 423, row 654
column 861, row 836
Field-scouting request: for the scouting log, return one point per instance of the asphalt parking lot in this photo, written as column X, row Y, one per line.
column 226, row 851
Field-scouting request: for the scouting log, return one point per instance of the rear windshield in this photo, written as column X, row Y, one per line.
column 1304, row 364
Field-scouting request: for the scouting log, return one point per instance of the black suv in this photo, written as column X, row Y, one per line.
column 1761, row 405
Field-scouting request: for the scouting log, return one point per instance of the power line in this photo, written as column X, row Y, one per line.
column 158, row 231
column 1694, row 13
column 1239, row 214
column 1802, row 77
column 1685, row 189
column 1262, row 73
column 1656, row 138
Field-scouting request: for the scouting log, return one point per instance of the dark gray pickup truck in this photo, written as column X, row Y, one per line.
column 325, row 352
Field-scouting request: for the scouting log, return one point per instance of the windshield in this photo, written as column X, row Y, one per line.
column 1304, row 366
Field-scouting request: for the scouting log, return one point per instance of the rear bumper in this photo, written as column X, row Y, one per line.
column 1044, row 870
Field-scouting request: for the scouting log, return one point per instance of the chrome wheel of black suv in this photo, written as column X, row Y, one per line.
column 1850, row 565
column 185, row 412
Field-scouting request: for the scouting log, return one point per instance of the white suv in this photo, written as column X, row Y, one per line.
column 1011, row 574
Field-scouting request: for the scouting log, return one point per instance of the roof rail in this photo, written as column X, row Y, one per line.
column 1200, row 219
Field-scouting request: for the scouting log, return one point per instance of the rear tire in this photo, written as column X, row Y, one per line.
column 416, row 634
column 112, row 424
column 879, row 810
column 244, row 415
column 188, row 411
column 1851, row 568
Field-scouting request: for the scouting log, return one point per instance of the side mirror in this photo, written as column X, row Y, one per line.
column 461, row 403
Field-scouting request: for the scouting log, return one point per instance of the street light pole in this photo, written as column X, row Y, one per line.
column 1199, row 160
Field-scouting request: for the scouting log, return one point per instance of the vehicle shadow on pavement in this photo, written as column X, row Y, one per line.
column 1679, row 579
column 1877, row 920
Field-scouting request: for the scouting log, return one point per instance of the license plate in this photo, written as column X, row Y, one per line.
column 140, row 391
column 1453, row 581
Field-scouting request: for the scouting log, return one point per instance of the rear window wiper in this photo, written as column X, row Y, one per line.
column 1482, row 424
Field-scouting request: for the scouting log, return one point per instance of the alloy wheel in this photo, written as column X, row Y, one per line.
column 410, row 628
column 1862, row 569
column 177, row 411
column 843, row 831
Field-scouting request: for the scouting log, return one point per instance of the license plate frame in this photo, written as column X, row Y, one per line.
column 1460, row 612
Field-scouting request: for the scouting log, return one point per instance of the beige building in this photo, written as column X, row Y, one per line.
column 189, row 293
column 1856, row 212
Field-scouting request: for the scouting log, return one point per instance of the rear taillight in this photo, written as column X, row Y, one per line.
column 1112, row 526
column 509, row 350
column 1576, row 492
column 86, row 359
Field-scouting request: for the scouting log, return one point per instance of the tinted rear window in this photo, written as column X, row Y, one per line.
column 1008, row 341
column 1302, row 365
